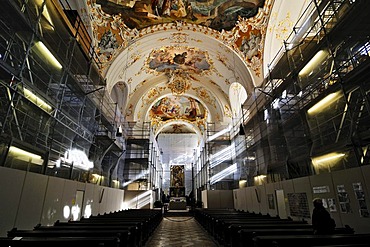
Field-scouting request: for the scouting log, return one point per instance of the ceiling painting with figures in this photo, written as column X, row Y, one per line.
column 177, row 108
column 216, row 14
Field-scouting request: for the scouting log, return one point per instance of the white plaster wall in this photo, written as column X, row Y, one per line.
column 329, row 181
column 32, row 200
column 27, row 199
column 11, row 184
column 53, row 208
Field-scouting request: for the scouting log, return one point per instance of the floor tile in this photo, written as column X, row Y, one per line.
column 180, row 232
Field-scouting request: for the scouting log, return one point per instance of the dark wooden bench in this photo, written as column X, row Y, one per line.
column 233, row 230
column 344, row 245
column 150, row 224
column 310, row 240
column 206, row 216
column 119, row 229
column 210, row 218
column 145, row 220
column 123, row 235
column 135, row 236
column 222, row 230
column 60, row 242
column 217, row 223
column 245, row 236
column 145, row 226
column 138, row 230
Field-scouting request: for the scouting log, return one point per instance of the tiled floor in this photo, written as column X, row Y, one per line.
column 180, row 232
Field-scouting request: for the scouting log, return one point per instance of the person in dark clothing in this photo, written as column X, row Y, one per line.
column 321, row 220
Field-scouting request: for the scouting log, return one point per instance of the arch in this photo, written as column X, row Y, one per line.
column 119, row 93
column 197, row 131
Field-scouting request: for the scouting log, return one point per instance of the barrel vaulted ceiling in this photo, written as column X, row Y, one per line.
column 173, row 63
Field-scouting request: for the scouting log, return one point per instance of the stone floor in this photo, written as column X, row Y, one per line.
column 180, row 232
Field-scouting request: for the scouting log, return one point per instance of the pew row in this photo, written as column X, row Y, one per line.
column 311, row 240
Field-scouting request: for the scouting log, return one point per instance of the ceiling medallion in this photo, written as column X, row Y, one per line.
column 178, row 82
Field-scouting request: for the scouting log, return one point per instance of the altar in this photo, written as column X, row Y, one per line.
column 177, row 188
column 177, row 203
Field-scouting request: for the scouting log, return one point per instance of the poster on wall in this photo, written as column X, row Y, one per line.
column 332, row 205
column 320, row 189
column 298, row 205
column 360, row 196
column 343, row 198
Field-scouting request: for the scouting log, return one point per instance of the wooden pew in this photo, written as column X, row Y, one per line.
column 119, row 229
column 222, row 230
column 310, row 240
column 149, row 218
column 245, row 236
column 145, row 227
column 60, row 242
column 145, row 220
column 208, row 218
column 344, row 245
column 233, row 229
column 134, row 235
column 217, row 223
column 122, row 235
column 139, row 232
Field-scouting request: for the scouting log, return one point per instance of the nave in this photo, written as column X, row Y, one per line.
column 180, row 231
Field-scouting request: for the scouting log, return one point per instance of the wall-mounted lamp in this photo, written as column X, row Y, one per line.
column 21, row 152
column 315, row 62
column 37, row 100
column 327, row 157
column 323, row 103
column 327, row 160
column 47, row 54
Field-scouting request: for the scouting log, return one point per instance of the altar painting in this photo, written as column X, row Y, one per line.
column 177, row 176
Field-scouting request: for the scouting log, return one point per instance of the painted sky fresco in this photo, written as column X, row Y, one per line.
column 216, row 14
column 186, row 59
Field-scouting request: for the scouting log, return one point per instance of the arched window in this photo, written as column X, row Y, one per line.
column 238, row 95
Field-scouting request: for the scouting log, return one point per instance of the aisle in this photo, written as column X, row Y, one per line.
column 179, row 232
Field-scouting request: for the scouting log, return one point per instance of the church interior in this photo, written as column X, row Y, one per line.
column 201, row 108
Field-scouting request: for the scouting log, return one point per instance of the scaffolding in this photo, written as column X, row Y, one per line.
column 282, row 132
column 53, row 97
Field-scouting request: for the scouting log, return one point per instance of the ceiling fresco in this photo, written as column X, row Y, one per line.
column 215, row 14
column 170, row 58
column 177, row 107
